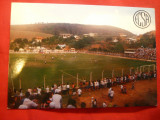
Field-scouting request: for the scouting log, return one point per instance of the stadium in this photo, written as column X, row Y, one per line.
column 28, row 72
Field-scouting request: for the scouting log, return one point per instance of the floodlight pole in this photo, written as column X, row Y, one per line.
column 62, row 79
column 130, row 71
column 154, row 67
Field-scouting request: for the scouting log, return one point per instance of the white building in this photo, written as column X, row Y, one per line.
column 62, row 45
column 66, row 35
column 21, row 50
column 38, row 39
column 76, row 37
column 115, row 40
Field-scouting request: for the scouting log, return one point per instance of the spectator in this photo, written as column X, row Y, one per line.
column 79, row 91
column 71, row 103
column 94, row 103
column 68, row 87
column 27, row 103
column 111, row 94
column 83, row 105
column 47, row 89
column 39, row 90
column 56, row 100
column 109, row 91
column 104, row 104
column 122, row 88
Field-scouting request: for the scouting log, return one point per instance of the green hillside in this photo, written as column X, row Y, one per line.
column 27, row 34
column 54, row 28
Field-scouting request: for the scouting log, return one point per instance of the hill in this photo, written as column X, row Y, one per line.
column 148, row 39
column 27, row 34
column 79, row 29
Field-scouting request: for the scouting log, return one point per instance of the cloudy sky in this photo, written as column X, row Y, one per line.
column 122, row 17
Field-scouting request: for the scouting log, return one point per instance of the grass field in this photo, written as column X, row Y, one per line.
column 31, row 68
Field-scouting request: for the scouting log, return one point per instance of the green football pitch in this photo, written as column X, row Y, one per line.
column 33, row 68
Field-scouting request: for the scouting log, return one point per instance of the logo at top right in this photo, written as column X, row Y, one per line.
column 142, row 19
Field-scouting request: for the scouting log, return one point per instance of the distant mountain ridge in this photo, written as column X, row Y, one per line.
column 78, row 29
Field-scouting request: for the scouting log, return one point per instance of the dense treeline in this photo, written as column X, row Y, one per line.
column 85, row 43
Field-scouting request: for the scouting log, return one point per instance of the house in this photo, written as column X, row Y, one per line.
column 38, row 39
column 131, row 40
column 62, row 45
column 76, row 37
column 72, row 50
column 90, row 35
column 66, row 35
column 115, row 41
column 122, row 35
column 21, row 50
column 58, row 51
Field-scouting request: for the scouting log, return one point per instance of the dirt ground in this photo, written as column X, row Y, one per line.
column 144, row 94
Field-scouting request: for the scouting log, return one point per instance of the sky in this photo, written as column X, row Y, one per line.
column 122, row 17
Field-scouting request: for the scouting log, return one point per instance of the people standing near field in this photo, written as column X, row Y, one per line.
column 124, row 89
column 105, row 82
column 79, row 91
column 155, row 74
column 56, row 100
column 71, row 103
column 30, row 91
column 52, row 89
column 104, row 105
column 27, row 103
column 111, row 94
column 47, row 89
column 68, row 87
column 39, row 90
column 94, row 103
column 55, row 86
column 121, row 88
column 59, row 87
column 109, row 91
column 83, row 105
column 91, row 85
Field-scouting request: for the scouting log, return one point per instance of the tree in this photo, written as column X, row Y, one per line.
column 119, row 47
column 16, row 49
column 108, row 39
column 57, row 47
column 25, row 40
column 56, row 33
column 18, row 40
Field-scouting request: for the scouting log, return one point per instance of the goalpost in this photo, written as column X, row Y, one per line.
column 143, row 67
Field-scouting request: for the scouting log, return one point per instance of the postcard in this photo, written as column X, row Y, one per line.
column 81, row 56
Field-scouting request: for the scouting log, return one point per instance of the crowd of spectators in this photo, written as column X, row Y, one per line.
column 139, row 53
column 143, row 53
column 52, row 97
